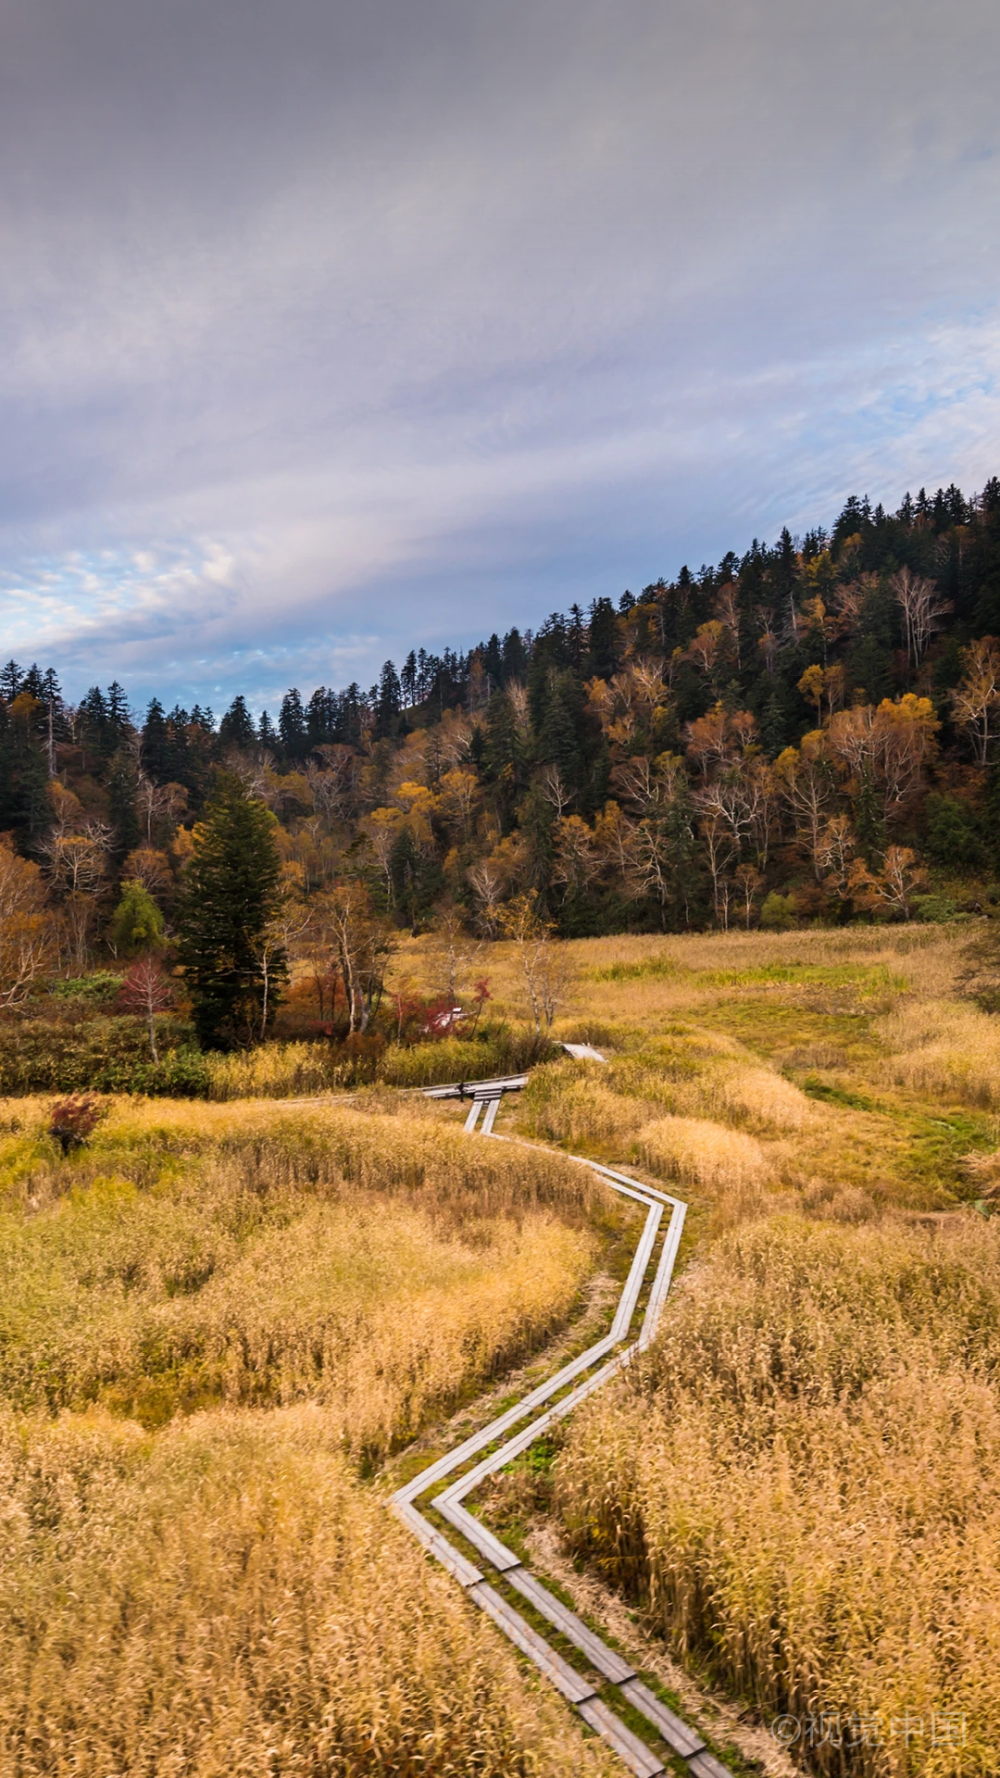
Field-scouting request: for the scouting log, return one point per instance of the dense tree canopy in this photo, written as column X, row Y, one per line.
column 806, row 730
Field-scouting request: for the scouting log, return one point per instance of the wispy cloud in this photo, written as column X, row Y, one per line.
column 333, row 331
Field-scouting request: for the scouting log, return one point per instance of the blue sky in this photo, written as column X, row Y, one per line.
column 329, row 330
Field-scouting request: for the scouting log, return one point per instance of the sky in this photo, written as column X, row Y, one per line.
column 328, row 330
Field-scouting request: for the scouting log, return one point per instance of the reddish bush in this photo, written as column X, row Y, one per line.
column 74, row 1119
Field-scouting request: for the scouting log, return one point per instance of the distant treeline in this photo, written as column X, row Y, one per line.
column 806, row 730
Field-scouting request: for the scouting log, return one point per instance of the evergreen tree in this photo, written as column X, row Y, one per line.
column 237, row 726
column 388, row 702
column 11, row 680
column 267, row 734
column 562, row 739
column 321, row 718
column 515, row 657
column 603, row 639
column 231, row 894
column 24, row 803
column 292, row 725
column 417, row 879
column 119, row 716
column 137, row 923
column 868, row 822
column 408, row 680
column 156, row 744
column 94, row 729
column 491, row 655
column 180, row 764
column 122, row 786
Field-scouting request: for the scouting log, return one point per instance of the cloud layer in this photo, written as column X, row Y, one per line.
column 332, row 329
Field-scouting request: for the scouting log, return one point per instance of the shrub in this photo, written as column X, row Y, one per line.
column 778, row 912
column 73, row 1120
column 100, row 1055
column 98, row 989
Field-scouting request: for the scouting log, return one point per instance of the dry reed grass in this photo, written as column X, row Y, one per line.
column 745, row 1093
column 224, row 1601
column 698, row 1152
column 405, row 1149
column 803, row 1479
column 261, row 1263
column 567, row 1102
column 215, row 1592
column 947, row 1048
column 289, row 1070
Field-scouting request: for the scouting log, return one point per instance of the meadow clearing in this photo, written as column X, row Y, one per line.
column 219, row 1322
column 799, row 1487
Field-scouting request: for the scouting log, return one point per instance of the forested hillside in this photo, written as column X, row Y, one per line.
column 802, row 732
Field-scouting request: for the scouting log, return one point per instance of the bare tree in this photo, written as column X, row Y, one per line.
column 27, row 946
column 835, row 851
column 276, row 943
column 455, row 954
column 150, row 868
column 77, row 866
column 542, row 959
column 749, row 882
column 806, row 781
column 922, row 607
column 147, row 990
column 577, row 860
column 976, row 700
column 553, row 790
column 895, row 885
column 361, row 943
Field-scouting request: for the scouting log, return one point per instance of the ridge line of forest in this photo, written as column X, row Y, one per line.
column 806, row 731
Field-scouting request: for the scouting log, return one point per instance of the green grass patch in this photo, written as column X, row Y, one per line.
column 652, row 969
column 831, row 1095
column 865, row 979
column 769, row 1025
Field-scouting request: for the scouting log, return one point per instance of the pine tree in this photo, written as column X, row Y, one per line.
column 321, row 717
column 92, row 717
column 515, row 656
column 122, row 786
column 156, row 743
column 562, row 737
column 603, row 639
column 180, row 765
column 119, row 716
column 292, row 725
column 237, row 726
column 388, row 702
column 868, row 823
column 231, row 894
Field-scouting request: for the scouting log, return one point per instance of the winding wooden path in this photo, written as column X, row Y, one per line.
column 564, row 1391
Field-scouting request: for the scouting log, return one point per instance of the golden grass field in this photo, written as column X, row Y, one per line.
column 800, row 1486
column 214, row 1322
column 218, row 1322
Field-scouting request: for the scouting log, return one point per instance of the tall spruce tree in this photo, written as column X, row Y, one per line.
column 237, row 726
column 231, row 894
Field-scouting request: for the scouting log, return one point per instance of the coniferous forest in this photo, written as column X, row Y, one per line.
column 803, row 733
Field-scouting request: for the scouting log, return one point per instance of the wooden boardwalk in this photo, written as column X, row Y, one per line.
column 644, row 1755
